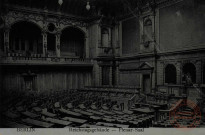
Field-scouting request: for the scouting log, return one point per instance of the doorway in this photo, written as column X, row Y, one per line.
column 105, row 75
column 146, row 83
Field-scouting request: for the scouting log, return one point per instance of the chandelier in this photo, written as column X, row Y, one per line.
column 60, row 2
column 88, row 5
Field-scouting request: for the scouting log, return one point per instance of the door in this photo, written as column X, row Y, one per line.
column 146, row 83
column 29, row 83
column 105, row 75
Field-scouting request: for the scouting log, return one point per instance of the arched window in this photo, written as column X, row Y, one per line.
column 72, row 42
column 25, row 38
column 170, row 74
column 147, row 30
column 105, row 37
column 189, row 73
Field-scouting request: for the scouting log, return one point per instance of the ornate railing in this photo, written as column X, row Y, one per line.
column 43, row 60
column 105, row 51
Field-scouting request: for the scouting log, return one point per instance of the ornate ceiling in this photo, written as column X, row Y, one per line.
column 113, row 8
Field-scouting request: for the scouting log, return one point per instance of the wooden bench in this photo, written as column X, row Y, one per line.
column 57, row 121
column 30, row 114
column 76, row 120
column 112, row 125
column 37, row 123
column 70, row 112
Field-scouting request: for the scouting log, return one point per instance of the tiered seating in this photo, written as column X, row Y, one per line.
column 72, row 108
column 88, row 107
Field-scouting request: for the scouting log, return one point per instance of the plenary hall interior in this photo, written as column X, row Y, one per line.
column 102, row 63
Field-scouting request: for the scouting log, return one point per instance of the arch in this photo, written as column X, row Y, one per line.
column 147, row 30
column 189, row 73
column 105, row 31
column 72, row 42
column 25, row 38
column 105, row 37
column 28, row 21
column 170, row 74
column 148, row 22
column 75, row 27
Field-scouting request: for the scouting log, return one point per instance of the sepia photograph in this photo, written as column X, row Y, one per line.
column 102, row 66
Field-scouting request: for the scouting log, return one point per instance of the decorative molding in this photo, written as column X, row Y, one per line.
column 41, row 20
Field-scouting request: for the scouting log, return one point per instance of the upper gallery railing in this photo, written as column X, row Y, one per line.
column 44, row 60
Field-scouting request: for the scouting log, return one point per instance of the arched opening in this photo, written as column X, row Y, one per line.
column 147, row 30
column 25, row 39
column 72, row 43
column 189, row 73
column 170, row 74
column 105, row 37
column 51, row 44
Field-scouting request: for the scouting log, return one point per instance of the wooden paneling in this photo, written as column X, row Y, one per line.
column 49, row 80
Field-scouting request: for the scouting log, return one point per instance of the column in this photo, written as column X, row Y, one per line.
column 117, row 40
column 198, row 72
column 152, row 79
column 178, row 72
column 96, row 73
column 98, row 50
column 117, row 73
column 86, row 42
column 58, row 44
column 110, row 76
column 141, row 30
column 6, row 39
column 44, row 34
column 109, row 37
column 120, row 38
column 100, row 75
column 99, row 36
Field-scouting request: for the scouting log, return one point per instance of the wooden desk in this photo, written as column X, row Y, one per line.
column 12, row 124
column 95, row 118
column 112, row 125
column 107, row 112
column 30, row 114
column 48, row 114
column 147, row 105
column 37, row 109
column 57, row 121
column 128, row 112
column 83, row 112
column 108, row 119
column 69, row 112
column 91, row 126
column 11, row 115
column 20, row 109
column 143, row 110
column 76, row 120
column 119, row 112
column 95, row 112
column 37, row 123
column 121, row 120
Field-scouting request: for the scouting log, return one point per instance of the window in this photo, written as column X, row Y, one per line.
column 147, row 30
column 170, row 74
column 189, row 73
column 105, row 37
